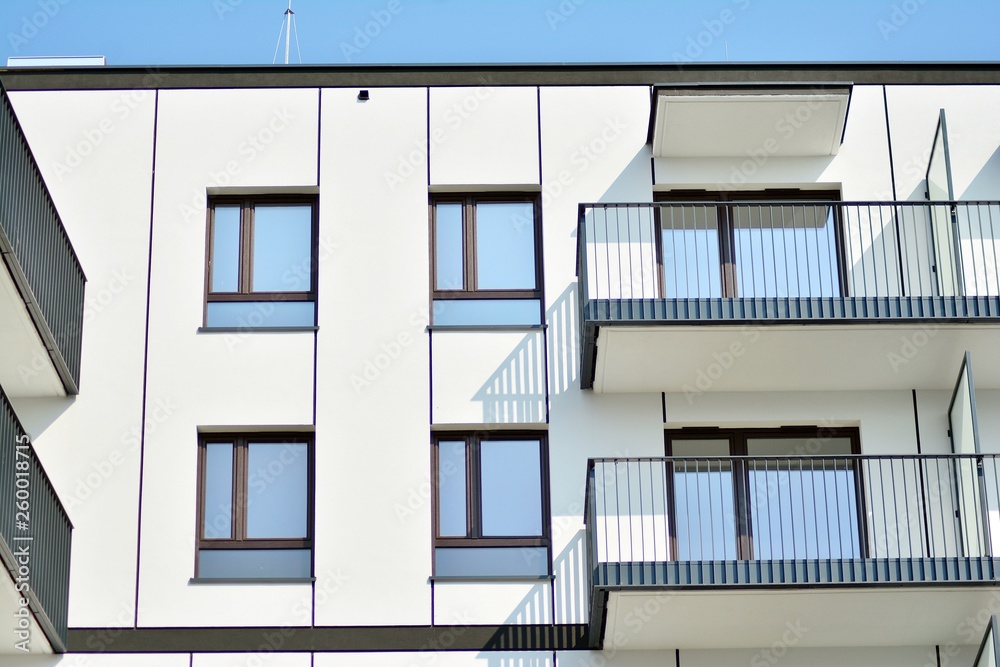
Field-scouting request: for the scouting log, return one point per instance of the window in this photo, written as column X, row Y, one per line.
column 485, row 260
column 763, row 494
column 255, row 506
column 773, row 243
column 261, row 266
column 491, row 505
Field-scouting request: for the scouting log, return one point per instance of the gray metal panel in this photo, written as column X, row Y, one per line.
column 37, row 251
column 46, row 534
column 792, row 573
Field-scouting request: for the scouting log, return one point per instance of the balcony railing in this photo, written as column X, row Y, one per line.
column 35, row 530
column 760, row 520
column 789, row 260
column 37, row 251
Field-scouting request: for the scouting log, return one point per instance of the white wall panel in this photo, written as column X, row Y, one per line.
column 466, row 603
column 487, row 135
column 973, row 137
column 373, row 425
column 593, row 150
column 488, row 377
column 214, row 139
column 84, row 142
column 100, row 660
column 437, row 659
column 265, row 657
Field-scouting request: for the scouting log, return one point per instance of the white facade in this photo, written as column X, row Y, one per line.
column 132, row 172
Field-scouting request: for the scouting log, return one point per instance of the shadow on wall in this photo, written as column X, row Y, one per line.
column 986, row 185
column 569, row 598
column 516, row 391
column 511, row 394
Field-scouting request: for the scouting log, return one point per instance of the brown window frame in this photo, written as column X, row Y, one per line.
column 473, row 497
column 248, row 204
column 727, row 235
column 469, row 245
column 238, row 539
column 743, row 503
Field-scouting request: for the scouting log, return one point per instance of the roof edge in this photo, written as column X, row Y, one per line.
column 494, row 74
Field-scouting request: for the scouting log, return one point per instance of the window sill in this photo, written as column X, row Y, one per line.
column 198, row 581
column 255, row 329
column 497, row 578
column 487, row 327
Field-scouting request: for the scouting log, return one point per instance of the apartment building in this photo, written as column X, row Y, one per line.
column 500, row 365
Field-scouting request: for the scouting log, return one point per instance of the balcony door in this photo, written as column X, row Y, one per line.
column 764, row 494
column 989, row 647
column 972, row 527
column 750, row 244
column 946, row 256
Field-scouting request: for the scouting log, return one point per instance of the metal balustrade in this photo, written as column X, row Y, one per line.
column 788, row 250
column 35, row 531
column 768, row 508
column 38, row 252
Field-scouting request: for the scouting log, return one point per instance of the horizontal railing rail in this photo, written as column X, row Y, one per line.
column 35, row 531
column 792, row 507
column 38, row 252
column 788, row 249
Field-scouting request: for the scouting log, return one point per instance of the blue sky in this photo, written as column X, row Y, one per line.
column 141, row 32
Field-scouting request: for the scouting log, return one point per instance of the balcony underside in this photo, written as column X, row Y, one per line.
column 9, row 608
column 26, row 365
column 912, row 615
column 694, row 346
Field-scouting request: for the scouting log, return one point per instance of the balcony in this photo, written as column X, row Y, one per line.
column 41, row 281
column 713, row 296
column 842, row 543
column 34, row 546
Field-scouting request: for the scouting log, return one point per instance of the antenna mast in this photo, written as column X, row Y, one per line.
column 287, row 22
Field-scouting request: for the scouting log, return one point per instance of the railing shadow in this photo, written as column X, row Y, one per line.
column 518, row 390
column 533, row 623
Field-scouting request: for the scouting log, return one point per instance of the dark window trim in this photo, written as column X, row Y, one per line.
column 238, row 539
column 469, row 289
column 473, row 499
column 727, row 235
column 248, row 204
column 737, row 438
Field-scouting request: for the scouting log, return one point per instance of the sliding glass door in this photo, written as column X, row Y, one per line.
column 764, row 494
